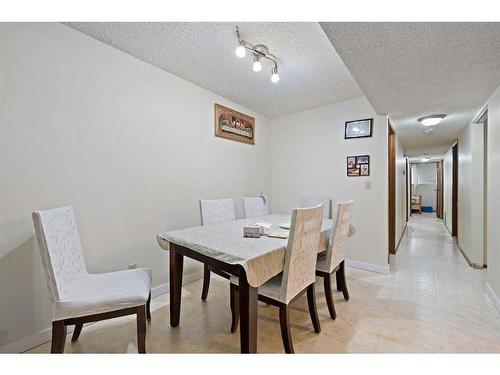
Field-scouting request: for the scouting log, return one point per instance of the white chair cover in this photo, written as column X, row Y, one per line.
column 74, row 291
column 300, row 258
column 216, row 211
column 254, row 207
column 335, row 253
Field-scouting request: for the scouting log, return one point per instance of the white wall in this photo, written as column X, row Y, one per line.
column 130, row 146
column 308, row 155
column 470, row 193
column 448, row 190
column 400, row 190
column 493, row 193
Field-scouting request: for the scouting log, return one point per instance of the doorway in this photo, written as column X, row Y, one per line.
column 392, row 187
column 439, row 190
column 454, row 192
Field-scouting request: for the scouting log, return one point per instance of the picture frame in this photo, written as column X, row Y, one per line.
column 233, row 125
column 358, row 166
column 358, row 129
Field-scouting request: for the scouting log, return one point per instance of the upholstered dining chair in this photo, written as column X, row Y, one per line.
column 214, row 211
column 333, row 258
column 255, row 206
column 80, row 297
column 314, row 200
column 298, row 275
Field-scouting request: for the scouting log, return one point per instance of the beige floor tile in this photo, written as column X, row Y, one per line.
column 432, row 302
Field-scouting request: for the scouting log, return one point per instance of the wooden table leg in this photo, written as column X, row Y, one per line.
column 176, row 265
column 248, row 296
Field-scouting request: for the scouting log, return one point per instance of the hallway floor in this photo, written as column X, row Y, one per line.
column 432, row 302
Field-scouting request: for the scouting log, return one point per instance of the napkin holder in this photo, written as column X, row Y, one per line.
column 252, row 231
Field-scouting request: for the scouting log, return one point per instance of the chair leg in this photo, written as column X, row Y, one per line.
column 338, row 281
column 148, row 309
column 286, row 334
column 327, row 282
column 341, row 273
column 141, row 329
column 76, row 332
column 206, row 282
column 58, row 337
column 234, row 303
column 313, row 311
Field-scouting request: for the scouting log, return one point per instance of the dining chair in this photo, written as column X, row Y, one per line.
column 255, row 206
column 333, row 259
column 298, row 275
column 80, row 297
column 214, row 211
column 314, row 200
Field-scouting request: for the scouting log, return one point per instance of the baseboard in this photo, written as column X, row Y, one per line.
column 41, row 337
column 401, row 237
column 473, row 265
column 367, row 266
column 165, row 288
column 29, row 342
column 494, row 298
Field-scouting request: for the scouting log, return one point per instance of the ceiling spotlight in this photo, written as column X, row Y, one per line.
column 431, row 120
column 275, row 77
column 259, row 51
column 257, row 66
column 241, row 51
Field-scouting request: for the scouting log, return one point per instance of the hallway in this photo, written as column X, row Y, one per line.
column 452, row 312
column 432, row 302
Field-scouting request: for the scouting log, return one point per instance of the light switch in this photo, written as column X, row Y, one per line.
column 368, row 185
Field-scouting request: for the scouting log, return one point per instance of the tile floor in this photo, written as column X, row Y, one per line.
column 432, row 302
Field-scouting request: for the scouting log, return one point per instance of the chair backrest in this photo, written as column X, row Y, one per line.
column 301, row 251
column 314, row 200
column 254, row 206
column 339, row 234
column 60, row 248
column 215, row 211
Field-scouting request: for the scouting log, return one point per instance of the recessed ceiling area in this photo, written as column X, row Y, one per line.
column 312, row 73
column 410, row 70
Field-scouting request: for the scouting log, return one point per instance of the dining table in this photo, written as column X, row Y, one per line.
column 224, row 248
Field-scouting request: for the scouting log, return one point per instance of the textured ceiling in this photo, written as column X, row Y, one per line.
column 312, row 74
column 408, row 70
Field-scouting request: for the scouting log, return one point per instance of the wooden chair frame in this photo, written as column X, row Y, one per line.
column 59, row 330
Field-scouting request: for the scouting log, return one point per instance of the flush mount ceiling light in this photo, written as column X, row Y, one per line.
column 259, row 52
column 431, row 120
column 425, row 160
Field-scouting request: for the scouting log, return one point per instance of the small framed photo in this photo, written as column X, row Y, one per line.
column 351, row 172
column 364, row 159
column 358, row 129
column 358, row 165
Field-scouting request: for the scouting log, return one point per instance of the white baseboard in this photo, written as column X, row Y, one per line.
column 29, row 342
column 41, row 337
column 367, row 266
column 164, row 288
column 494, row 298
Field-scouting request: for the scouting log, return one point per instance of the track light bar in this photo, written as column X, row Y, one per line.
column 259, row 51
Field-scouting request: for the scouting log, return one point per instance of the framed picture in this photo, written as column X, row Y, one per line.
column 358, row 129
column 234, row 125
column 358, row 165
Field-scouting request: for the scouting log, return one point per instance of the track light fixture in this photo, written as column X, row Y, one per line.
column 259, row 52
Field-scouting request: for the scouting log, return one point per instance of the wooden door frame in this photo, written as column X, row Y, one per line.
column 406, row 183
column 454, row 193
column 439, row 190
column 391, row 160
